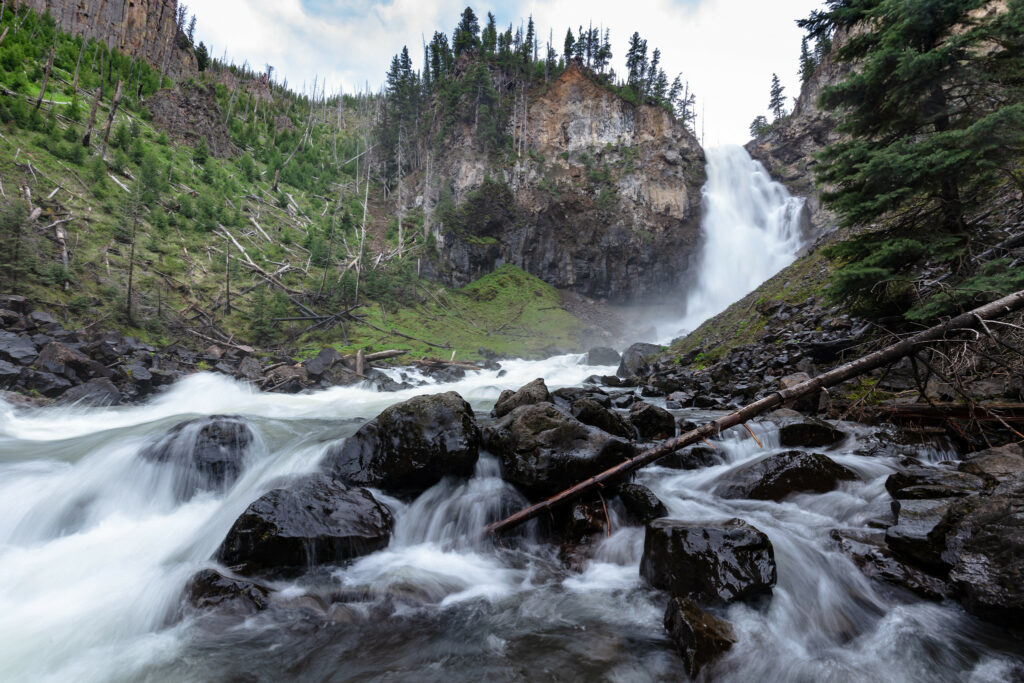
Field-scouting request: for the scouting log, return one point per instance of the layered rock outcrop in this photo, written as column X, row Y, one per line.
column 605, row 196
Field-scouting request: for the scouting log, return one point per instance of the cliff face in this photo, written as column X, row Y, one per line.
column 788, row 149
column 605, row 196
column 142, row 28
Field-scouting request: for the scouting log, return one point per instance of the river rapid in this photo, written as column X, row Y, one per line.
column 95, row 552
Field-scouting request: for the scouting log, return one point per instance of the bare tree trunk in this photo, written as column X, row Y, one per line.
column 3, row 35
column 95, row 105
column 428, row 209
column 970, row 320
column 400, row 205
column 227, row 279
column 46, row 74
column 131, row 265
column 78, row 64
column 110, row 118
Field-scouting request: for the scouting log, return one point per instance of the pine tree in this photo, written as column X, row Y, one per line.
column 570, row 43
column 636, row 63
column 777, row 101
column 202, row 57
column 467, row 34
column 807, row 61
column 489, row 37
column 759, row 126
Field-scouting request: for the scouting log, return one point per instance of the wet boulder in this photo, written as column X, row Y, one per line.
column 700, row 637
column 208, row 453
column 322, row 362
column 692, row 458
column 1001, row 468
column 711, row 563
column 410, row 446
column 807, row 432
column 529, row 394
column 652, row 422
column 96, row 392
column 777, row 476
column 641, row 504
column 867, row 550
column 566, row 396
column 920, row 482
column 543, row 450
column 590, row 412
column 312, row 521
column 916, row 537
column 635, row 359
column 601, row 355
column 287, row 379
column 210, row 590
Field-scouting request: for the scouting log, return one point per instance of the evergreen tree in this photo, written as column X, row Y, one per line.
column 569, row 45
column 636, row 63
column 759, row 126
column 190, row 32
column 807, row 61
column 467, row 34
column 777, row 101
column 489, row 37
column 202, row 57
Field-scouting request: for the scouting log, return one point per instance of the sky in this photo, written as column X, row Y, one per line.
column 726, row 49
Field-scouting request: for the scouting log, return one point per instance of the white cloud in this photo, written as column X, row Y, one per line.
column 727, row 49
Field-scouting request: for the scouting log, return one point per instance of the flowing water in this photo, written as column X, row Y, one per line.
column 95, row 549
column 751, row 229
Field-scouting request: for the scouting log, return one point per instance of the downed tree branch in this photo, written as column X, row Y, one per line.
column 831, row 378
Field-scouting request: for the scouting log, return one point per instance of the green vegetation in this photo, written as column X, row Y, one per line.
column 933, row 118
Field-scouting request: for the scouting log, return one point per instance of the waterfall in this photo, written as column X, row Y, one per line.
column 751, row 230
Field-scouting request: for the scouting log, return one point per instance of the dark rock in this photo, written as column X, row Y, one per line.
column 17, row 350
column 612, row 381
column 652, row 422
column 223, row 367
column 641, row 503
column 807, row 403
column 693, row 458
column 700, row 637
column 1002, row 468
column 8, row 374
column 868, row 552
column 208, row 453
column 590, row 412
column 209, row 589
column 808, row 432
column 912, row 537
column 776, row 476
column 410, row 446
column 10, row 318
column 529, row 394
column 14, row 302
column 40, row 318
column 707, row 562
column 602, row 355
column 322, row 362
column 96, row 392
column 249, row 369
column 287, row 379
column 932, row 482
column 543, row 450
column 635, row 359
column 623, row 399
column 138, row 373
column 340, row 376
column 566, row 396
column 45, row 383
column 20, row 400
column 312, row 521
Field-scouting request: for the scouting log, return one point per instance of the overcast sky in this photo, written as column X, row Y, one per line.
column 726, row 49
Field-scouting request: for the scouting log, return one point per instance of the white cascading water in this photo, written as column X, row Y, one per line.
column 751, row 230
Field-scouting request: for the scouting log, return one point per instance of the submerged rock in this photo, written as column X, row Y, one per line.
column 207, row 452
column 529, row 394
column 700, row 637
column 209, row 589
column 708, row 562
column 312, row 521
column 777, row 476
column 543, row 450
column 410, row 446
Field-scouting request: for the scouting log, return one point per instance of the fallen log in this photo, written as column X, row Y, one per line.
column 989, row 412
column 966, row 321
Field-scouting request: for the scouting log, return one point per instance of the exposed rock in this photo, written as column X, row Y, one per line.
column 249, row 369
column 932, row 482
column 8, row 374
column 868, row 552
column 623, row 399
column 692, row 458
column 288, row 379
column 602, row 355
column 208, row 453
column 189, row 112
column 777, row 476
column 807, row 432
column 566, row 396
column 209, row 589
column 96, row 392
column 312, row 521
column 641, row 503
column 1002, row 468
column 807, row 403
column 543, row 451
column 700, row 637
column 322, row 362
column 911, row 538
column 636, row 358
column 55, row 353
column 652, row 422
column 590, row 412
column 710, row 563
column 410, row 446
column 45, row 383
column 15, row 349
column 528, row 394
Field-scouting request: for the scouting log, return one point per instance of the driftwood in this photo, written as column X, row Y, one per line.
column 437, row 363
column 966, row 321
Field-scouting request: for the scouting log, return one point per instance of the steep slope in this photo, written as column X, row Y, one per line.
column 604, row 201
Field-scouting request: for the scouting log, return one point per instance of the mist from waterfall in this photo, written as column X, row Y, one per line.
column 751, row 230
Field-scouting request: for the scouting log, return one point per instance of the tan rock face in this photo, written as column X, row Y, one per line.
column 607, row 195
column 142, row 28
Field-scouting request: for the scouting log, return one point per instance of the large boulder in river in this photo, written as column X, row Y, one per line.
column 312, row 521
column 776, row 476
column 590, row 412
column 652, row 422
column 807, row 432
column 700, row 637
column 602, row 355
column 543, row 450
column 207, row 453
column 410, row 446
column 711, row 563
column 528, row 394
column 635, row 359
column 920, row 482
column 641, row 504
column 209, row 589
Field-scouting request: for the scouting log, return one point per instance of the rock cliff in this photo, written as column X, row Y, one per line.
column 604, row 198
column 142, row 28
